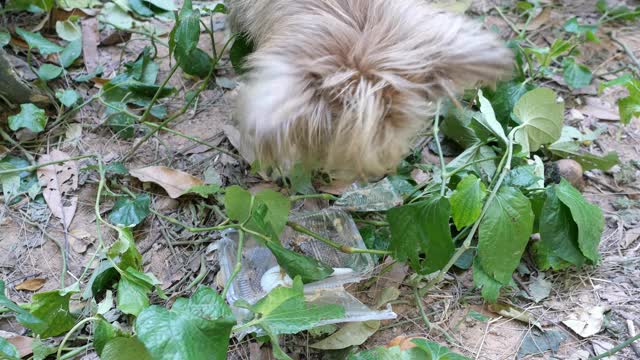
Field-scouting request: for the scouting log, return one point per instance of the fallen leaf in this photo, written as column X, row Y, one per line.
column 111, row 36
column 59, row 180
column 404, row 342
column 386, row 296
column 73, row 135
column 586, row 322
column 22, row 343
column 600, row 347
column 540, row 288
column 352, row 334
column 174, row 182
column 599, row 109
column 630, row 237
column 514, row 312
column 3, row 151
column 540, row 20
column 90, row 40
column 538, row 342
column 31, row 284
column 79, row 240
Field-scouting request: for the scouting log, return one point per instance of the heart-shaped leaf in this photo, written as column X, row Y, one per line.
column 30, row 117
column 540, row 116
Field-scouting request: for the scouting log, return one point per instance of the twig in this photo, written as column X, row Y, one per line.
column 617, row 348
column 343, row 248
column 628, row 51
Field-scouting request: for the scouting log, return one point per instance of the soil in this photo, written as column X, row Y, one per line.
column 31, row 238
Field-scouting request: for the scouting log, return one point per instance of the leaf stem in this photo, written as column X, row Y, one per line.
column 313, row 196
column 73, row 329
column 238, row 267
column 617, row 348
column 38, row 166
column 506, row 166
column 343, row 248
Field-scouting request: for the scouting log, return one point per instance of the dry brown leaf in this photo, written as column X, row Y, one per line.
column 31, row 284
column 404, row 342
column 514, row 312
column 79, row 240
column 174, row 182
column 90, row 40
column 59, row 181
column 541, row 19
column 586, row 322
column 22, row 343
column 599, row 109
column 3, row 151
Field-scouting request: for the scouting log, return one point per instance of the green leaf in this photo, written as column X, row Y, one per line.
column 196, row 328
column 545, row 258
column 558, row 231
column 436, row 352
column 278, row 207
column 588, row 31
column 140, row 7
column 23, row 316
column 237, row 203
column 103, row 333
column 587, row 217
column 30, row 117
column 484, row 158
column 295, row 264
column 523, row 177
column 5, row 38
column 186, row 32
column 199, row 64
column 504, row 233
column 588, row 161
column 10, row 182
column 576, row 75
column 114, row 15
column 629, row 107
column 71, row 53
column 117, row 168
column 129, row 212
column 125, row 348
column 505, row 97
column 8, row 351
column 48, row 72
column 284, row 311
column 124, row 251
column 68, row 97
column 422, row 228
column 122, row 124
column 168, row 5
column 456, row 127
column 490, row 287
column 466, row 201
column 540, row 117
column 134, row 288
column 488, row 119
column 68, row 30
column 242, row 47
column 37, row 41
column 205, row 190
column 52, row 308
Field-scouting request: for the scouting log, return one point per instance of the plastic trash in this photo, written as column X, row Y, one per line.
column 257, row 260
column 380, row 196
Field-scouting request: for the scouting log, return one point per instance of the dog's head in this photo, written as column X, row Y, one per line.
column 346, row 84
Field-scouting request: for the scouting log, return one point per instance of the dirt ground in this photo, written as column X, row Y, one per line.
column 609, row 294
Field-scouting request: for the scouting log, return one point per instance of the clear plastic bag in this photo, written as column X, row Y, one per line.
column 380, row 196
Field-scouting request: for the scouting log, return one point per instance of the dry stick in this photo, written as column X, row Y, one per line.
column 344, row 248
column 429, row 325
column 628, row 51
column 617, row 348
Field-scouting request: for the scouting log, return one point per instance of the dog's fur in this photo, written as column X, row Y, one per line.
column 345, row 85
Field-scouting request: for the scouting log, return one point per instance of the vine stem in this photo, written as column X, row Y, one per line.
column 184, row 108
column 73, row 329
column 505, row 167
column 343, row 248
column 617, row 348
column 191, row 228
column 238, row 266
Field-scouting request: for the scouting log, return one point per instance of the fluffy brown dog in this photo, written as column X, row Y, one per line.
column 345, row 85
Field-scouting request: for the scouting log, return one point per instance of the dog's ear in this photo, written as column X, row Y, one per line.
column 462, row 55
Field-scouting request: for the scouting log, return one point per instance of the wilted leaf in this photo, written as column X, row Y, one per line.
column 48, row 72
column 422, row 228
column 31, row 284
column 504, row 233
column 196, row 328
column 59, row 181
column 466, row 201
column 352, row 334
column 174, row 182
column 37, row 41
column 586, row 322
column 129, row 212
column 540, row 117
column 538, row 342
